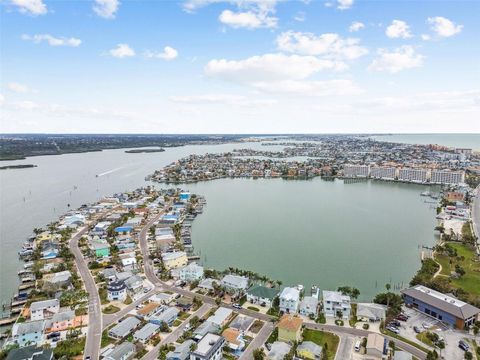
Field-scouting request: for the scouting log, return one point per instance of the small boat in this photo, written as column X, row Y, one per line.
column 25, row 253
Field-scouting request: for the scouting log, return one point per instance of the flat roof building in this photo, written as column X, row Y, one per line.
column 443, row 307
column 209, row 348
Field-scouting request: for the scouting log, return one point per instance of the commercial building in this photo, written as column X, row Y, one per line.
column 386, row 173
column 447, row 177
column 356, row 171
column 413, row 175
column 446, row 308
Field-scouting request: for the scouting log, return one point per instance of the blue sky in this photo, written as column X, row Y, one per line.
column 249, row 66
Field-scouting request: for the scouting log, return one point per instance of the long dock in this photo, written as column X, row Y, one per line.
column 7, row 321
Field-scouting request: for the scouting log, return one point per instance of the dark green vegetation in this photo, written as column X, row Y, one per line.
column 328, row 341
column 20, row 146
column 139, row 151
column 9, row 167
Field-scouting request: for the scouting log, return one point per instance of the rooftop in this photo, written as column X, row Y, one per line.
column 290, row 322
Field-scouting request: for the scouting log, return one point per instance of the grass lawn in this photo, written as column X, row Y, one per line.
column 257, row 325
column 253, row 308
column 408, row 341
column 183, row 316
column 320, row 338
column 423, row 338
column 469, row 282
column 111, row 309
column 106, row 340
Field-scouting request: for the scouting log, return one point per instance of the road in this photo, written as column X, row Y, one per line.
column 258, row 341
column 360, row 332
column 175, row 334
column 109, row 319
column 476, row 212
column 94, row 333
column 345, row 347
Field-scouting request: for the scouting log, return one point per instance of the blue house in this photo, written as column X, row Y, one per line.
column 123, row 229
column 28, row 333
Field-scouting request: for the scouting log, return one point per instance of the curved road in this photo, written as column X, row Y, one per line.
column 94, row 333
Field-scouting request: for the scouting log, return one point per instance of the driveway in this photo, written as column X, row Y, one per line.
column 258, row 341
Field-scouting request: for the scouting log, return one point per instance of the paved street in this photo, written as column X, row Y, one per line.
column 175, row 334
column 109, row 319
column 476, row 212
column 92, row 346
column 258, row 341
column 360, row 332
column 345, row 347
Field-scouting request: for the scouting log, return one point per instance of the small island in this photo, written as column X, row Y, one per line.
column 139, row 151
column 23, row 166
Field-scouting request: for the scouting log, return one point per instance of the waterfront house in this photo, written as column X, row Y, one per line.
column 335, row 304
column 146, row 333
column 376, row 346
column 40, row 310
column 205, row 328
column 235, row 284
column 165, row 315
column 278, row 350
column 65, row 320
column 220, row 316
column 30, row 353
column 233, row 339
column 181, row 352
column 124, row 351
column 124, row 328
column 57, row 280
column 289, row 300
column 371, row 311
column 445, row 308
column 117, row 291
column 191, row 272
column 207, row 284
column 262, row 295
column 174, row 259
column 309, row 350
column 209, row 348
column 28, row 333
column 308, row 306
column 49, row 250
column 289, row 328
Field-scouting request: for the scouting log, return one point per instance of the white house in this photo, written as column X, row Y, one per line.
column 235, row 283
column 209, row 348
column 191, row 272
column 334, row 303
column 289, row 300
column 308, row 306
column 45, row 309
column 117, row 290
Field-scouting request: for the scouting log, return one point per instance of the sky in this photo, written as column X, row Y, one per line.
column 239, row 66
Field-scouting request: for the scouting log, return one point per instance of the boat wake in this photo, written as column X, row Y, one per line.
column 109, row 171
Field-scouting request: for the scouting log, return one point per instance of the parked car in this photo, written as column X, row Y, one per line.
column 426, row 325
column 395, row 323
column 463, row 345
column 53, row 335
column 393, row 329
column 237, row 306
column 417, row 329
column 402, row 317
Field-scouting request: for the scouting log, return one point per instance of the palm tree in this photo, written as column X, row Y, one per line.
column 388, row 287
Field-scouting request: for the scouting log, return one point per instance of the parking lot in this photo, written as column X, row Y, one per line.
column 426, row 323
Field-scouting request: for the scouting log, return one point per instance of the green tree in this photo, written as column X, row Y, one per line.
column 258, row 354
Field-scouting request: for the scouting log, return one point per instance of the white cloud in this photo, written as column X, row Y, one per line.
column 300, row 17
column 223, row 99
column 397, row 60
column 269, row 67
column 122, row 51
column 425, row 37
column 17, row 87
column 248, row 19
column 32, row 7
column 2, row 100
column 168, row 54
column 398, row 29
column 344, row 4
column 337, row 87
column 444, row 27
column 330, row 44
column 52, row 40
column 106, row 8
column 356, row 26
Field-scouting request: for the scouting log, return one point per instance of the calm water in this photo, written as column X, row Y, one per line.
column 471, row 141
column 299, row 232
column 315, row 232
